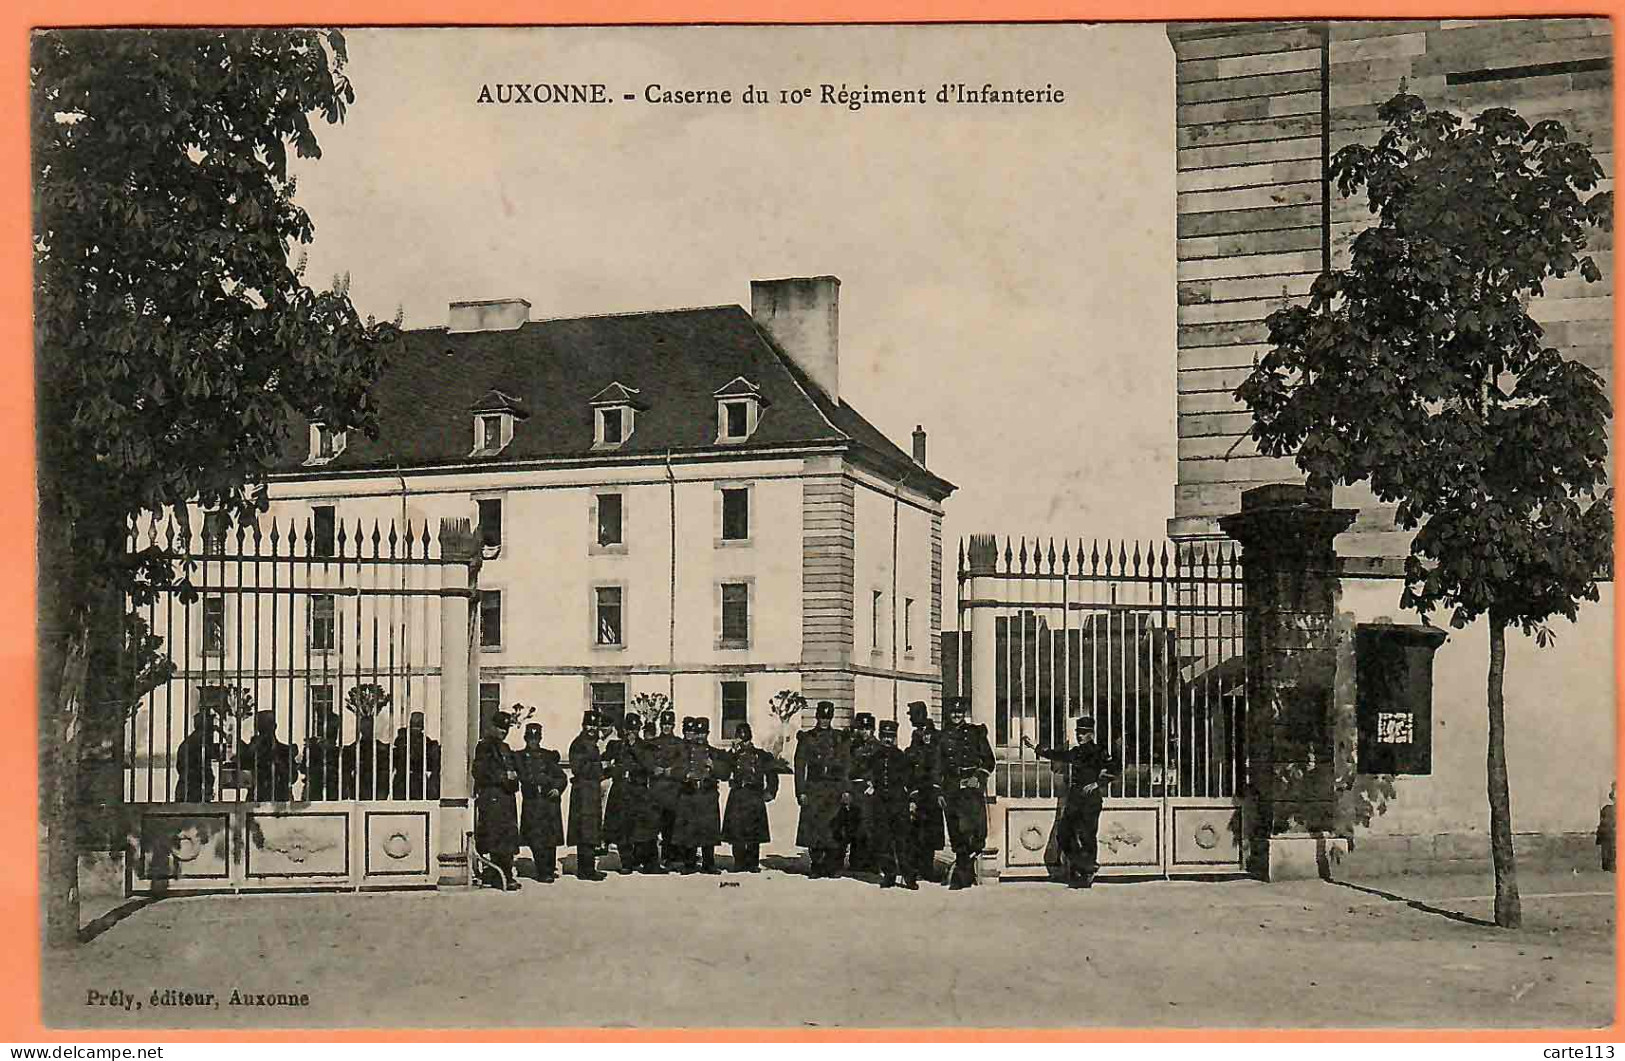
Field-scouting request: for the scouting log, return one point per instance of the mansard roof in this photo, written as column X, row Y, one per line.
column 671, row 364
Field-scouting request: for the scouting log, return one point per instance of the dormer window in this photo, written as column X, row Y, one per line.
column 494, row 419
column 614, row 415
column 739, row 410
column 325, row 443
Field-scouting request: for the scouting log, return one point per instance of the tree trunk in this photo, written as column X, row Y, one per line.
column 1508, row 910
column 64, row 657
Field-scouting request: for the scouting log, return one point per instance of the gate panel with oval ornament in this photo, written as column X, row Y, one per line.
column 1147, row 640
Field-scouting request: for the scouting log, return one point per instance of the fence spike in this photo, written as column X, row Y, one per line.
column 1136, row 557
column 1122, row 556
column 1052, row 555
column 1094, row 555
column 1023, row 554
column 1165, row 558
column 392, row 538
column 961, row 557
column 1007, row 555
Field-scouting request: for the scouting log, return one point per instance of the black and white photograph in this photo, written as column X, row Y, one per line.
column 806, row 527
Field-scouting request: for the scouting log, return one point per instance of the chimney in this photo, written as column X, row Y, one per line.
column 802, row 315
column 487, row 315
column 919, row 445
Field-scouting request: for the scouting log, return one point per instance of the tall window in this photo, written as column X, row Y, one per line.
column 490, row 702
column 491, row 433
column 608, row 607
column 908, row 624
column 319, row 701
column 735, row 708
column 735, row 614
column 214, row 626
column 736, row 419
column 490, row 524
column 610, row 423
column 490, row 618
column 609, row 519
column 323, row 623
column 214, row 533
column 609, row 700
column 735, row 514
column 325, row 520
column 874, row 620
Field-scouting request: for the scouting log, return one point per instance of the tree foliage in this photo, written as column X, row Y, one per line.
column 1420, row 369
column 178, row 343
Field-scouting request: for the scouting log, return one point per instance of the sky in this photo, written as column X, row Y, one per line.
column 1007, row 271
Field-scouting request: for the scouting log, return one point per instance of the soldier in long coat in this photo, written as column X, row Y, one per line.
column 665, row 756
column 541, row 783
column 323, row 752
column 415, row 762
column 631, row 822
column 586, row 795
column 967, row 760
column 496, row 815
column 195, row 760
column 929, row 831
column 858, row 825
column 364, row 764
column 1090, row 768
column 890, row 788
column 752, row 785
column 271, row 765
column 699, row 815
column 822, row 776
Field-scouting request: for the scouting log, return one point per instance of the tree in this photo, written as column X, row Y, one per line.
column 1419, row 370
column 176, row 346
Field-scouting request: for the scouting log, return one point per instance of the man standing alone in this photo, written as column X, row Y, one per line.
column 1090, row 770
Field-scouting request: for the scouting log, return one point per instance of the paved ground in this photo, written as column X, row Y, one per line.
column 780, row 950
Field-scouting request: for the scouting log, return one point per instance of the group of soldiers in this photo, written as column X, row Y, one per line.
column 865, row 804
column 365, row 768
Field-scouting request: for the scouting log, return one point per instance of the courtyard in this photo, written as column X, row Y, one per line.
column 778, row 950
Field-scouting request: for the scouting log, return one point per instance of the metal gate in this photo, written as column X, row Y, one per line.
column 296, row 741
column 1147, row 639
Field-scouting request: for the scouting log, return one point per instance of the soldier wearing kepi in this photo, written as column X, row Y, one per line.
column 890, row 791
column 1090, row 770
column 587, row 796
column 496, row 817
column 541, row 783
column 665, row 759
column 699, row 815
column 629, row 818
column 753, row 784
column 925, row 759
column 821, row 776
column 967, row 760
column 857, row 825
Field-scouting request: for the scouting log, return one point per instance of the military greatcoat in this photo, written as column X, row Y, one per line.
column 699, row 816
column 586, row 791
column 930, row 834
column 496, row 815
column 542, row 821
column 966, row 756
column 752, row 785
column 822, row 773
column 890, row 772
column 630, row 816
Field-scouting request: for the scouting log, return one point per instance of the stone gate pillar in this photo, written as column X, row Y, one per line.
column 1291, row 581
column 459, row 704
column 982, row 591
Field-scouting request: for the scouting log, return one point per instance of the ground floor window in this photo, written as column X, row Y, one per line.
column 609, row 700
column 735, row 707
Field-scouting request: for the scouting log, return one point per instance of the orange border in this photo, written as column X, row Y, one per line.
column 19, row 915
